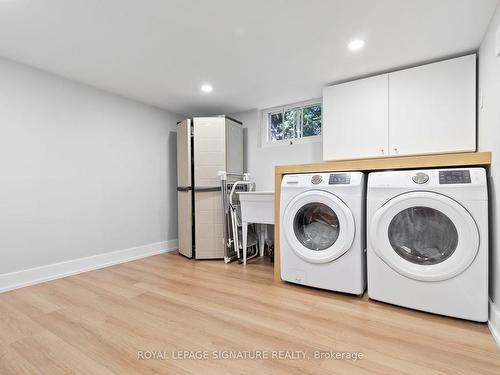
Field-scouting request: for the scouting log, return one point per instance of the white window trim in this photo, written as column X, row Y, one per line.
column 264, row 125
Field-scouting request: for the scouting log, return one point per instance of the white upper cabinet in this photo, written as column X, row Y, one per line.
column 422, row 110
column 432, row 108
column 355, row 119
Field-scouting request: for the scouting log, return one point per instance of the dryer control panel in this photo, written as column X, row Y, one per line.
column 454, row 177
column 339, row 179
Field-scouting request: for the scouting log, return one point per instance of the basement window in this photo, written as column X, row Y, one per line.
column 291, row 124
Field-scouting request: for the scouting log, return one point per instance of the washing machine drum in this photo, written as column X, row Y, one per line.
column 424, row 236
column 318, row 226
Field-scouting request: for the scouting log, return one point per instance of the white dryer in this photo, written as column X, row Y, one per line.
column 428, row 240
column 322, row 231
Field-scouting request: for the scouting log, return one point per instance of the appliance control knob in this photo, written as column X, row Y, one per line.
column 420, row 178
column 316, row 179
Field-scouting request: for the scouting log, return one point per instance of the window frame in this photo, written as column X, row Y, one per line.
column 265, row 125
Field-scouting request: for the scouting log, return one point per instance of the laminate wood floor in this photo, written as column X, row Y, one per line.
column 110, row 321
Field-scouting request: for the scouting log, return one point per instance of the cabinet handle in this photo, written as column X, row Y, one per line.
column 395, row 150
column 382, row 151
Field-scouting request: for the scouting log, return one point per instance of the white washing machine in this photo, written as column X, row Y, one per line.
column 322, row 231
column 428, row 240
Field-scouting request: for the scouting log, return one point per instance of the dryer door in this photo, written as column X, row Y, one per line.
column 318, row 226
column 424, row 236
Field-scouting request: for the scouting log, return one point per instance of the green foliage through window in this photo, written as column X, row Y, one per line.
column 276, row 126
column 291, row 124
column 295, row 122
column 311, row 120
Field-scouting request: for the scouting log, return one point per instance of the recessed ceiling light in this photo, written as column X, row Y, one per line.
column 206, row 88
column 356, row 44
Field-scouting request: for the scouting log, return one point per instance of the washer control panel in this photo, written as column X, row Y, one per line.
column 339, row 179
column 454, row 177
column 323, row 180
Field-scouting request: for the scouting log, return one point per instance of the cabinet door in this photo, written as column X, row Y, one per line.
column 209, row 150
column 185, row 222
column 209, row 225
column 432, row 108
column 184, row 153
column 184, row 199
column 355, row 117
column 234, row 147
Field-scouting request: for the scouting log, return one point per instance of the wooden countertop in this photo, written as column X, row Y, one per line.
column 368, row 165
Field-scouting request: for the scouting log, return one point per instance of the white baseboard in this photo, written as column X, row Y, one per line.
column 31, row 276
column 494, row 321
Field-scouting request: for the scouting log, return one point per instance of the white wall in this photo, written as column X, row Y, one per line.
column 489, row 140
column 260, row 161
column 82, row 172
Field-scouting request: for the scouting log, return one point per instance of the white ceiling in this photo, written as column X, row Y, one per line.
column 256, row 53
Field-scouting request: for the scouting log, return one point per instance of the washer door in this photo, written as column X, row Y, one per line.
column 318, row 226
column 424, row 236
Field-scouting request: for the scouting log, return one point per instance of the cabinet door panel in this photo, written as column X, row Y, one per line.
column 209, row 225
column 185, row 223
column 432, row 108
column 234, row 147
column 209, row 150
column 355, row 117
column 184, row 153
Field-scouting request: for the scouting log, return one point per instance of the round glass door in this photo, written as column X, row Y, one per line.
column 318, row 226
column 425, row 236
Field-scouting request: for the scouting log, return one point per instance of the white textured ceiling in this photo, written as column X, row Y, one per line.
column 256, row 53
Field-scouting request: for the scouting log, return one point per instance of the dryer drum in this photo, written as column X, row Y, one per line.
column 423, row 235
